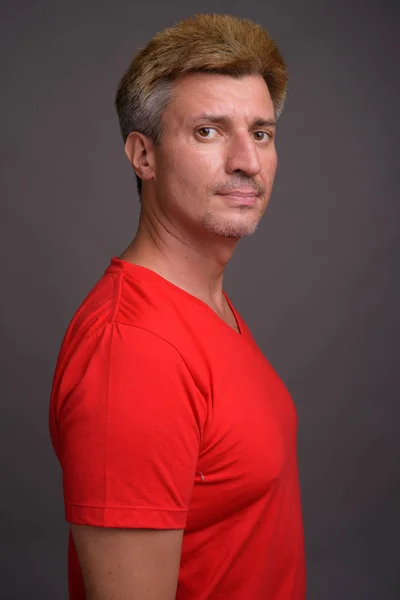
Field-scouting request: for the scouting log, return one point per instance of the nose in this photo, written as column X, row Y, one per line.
column 242, row 155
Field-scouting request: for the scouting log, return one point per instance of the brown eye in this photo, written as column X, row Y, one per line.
column 261, row 136
column 206, row 132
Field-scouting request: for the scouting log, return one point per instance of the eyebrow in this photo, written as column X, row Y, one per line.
column 226, row 120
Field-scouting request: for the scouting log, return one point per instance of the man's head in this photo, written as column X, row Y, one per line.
column 197, row 110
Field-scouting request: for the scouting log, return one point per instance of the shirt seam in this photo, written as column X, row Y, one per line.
column 127, row 506
column 118, row 296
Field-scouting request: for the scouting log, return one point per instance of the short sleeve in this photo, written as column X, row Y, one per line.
column 129, row 432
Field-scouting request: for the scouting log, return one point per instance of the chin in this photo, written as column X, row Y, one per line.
column 230, row 228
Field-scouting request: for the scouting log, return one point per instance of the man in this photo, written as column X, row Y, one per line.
column 176, row 438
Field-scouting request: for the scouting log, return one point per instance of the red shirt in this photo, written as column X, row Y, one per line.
column 163, row 416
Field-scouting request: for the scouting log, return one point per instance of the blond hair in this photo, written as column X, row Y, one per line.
column 208, row 43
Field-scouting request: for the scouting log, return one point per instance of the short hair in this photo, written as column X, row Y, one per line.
column 208, row 43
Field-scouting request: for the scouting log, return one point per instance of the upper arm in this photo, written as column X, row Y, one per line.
column 120, row 564
column 129, row 423
column 129, row 431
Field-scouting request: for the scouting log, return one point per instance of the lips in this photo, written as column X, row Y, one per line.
column 241, row 198
column 240, row 193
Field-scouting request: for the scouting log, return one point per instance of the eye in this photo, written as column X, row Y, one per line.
column 207, row 132
column 262, row 136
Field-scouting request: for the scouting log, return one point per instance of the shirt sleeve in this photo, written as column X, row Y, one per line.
column 129, row 432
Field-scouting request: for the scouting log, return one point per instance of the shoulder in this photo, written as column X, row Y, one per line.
column 134, row 318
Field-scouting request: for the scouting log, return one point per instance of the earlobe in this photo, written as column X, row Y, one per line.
column 139, row 151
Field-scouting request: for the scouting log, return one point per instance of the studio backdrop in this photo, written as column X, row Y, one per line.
column 318, row 283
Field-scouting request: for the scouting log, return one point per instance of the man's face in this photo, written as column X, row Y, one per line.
column 217, row 160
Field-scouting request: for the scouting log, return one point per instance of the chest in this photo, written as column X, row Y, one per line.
column 249, row 439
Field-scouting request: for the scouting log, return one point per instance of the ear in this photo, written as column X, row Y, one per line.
column 140, row 152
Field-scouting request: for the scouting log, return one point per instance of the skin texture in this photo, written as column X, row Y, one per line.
column 200, row 158
column 122, row 564
column 188, row 231
column 213, row 147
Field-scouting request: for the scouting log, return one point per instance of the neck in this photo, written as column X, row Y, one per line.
column 192, row 262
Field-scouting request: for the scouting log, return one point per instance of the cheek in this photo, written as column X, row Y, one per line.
column 270, row 166
column 189, row 168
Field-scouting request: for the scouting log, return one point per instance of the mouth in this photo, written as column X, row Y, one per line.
column 242, row 198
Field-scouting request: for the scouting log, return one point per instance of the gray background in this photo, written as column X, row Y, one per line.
column 318, row 283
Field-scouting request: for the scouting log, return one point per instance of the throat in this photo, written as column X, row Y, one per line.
column 228, row 317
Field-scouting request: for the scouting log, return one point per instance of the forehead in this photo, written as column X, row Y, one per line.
column 241, row 97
